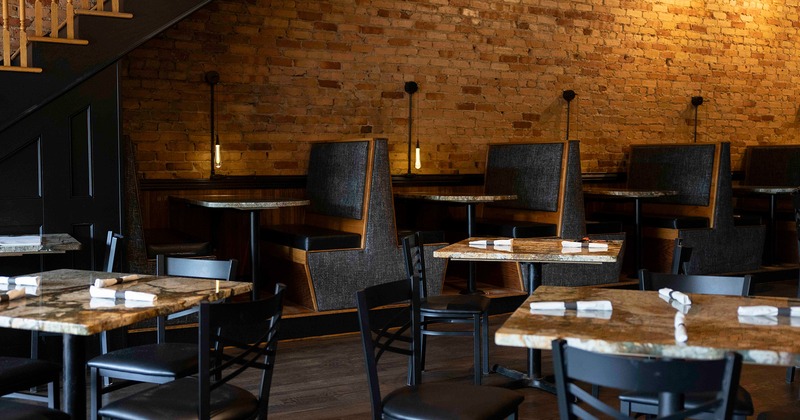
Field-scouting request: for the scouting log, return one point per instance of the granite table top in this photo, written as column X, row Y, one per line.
column 242, row 203
column 457, row 198
column 52, row 243
column 764, row 189
column 629, row 193
column 62, row 303
column 544, row 250
column 641, row 323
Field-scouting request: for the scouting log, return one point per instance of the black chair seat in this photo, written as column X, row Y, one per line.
column 647, row 403
column 514, row 228
column 12, row 410
column 310, row 238
column 453, row 304
column 173, row 243
column 20, row 373
column 168, row 360
column 450, row 401
column 177, row 400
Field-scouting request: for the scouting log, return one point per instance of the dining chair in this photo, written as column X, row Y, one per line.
column 161, row 361
column 233, row 338
column 664, row 377
column 472, row 310
column 796, row 200
column 398, row 332
column 681, row 255
column 647, row 403
column 20, row 376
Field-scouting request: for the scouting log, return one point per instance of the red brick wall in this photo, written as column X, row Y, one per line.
column 489, row 71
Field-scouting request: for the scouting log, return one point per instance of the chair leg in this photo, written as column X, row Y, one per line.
column 54, row 395
column 95, row 393
column 790, row 374
column 485, row 339
column 423, row 346
column 477, row 366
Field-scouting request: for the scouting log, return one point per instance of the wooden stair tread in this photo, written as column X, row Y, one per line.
column 103, row 13
column 58, row 40
column 21, row 69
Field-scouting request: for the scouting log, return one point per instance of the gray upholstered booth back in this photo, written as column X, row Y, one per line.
column 531, row 171
column 337, row 176
column 687, row 169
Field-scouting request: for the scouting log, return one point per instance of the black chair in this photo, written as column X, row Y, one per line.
column 796, row 200
column 647, row 403
column 233, row 338
column 681, row 255
column 162, row 361
column 453, row 309
column 113, row 245
column 665, row 378
column 19, row 378
column 382, row 333
column 702, row 284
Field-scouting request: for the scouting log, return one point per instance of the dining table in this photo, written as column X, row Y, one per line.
column 47, row 243
column 772, row 192
column 62, row 304
column 471, row 202
column 638, row 196
column 253, row 206
column 531, row 253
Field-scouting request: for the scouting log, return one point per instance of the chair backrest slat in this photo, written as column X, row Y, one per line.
column 702, row 284
column 719, row 378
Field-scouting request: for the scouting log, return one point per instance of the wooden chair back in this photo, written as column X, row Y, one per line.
column 719, row 378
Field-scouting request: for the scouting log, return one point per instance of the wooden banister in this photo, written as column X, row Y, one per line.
column 15, row 40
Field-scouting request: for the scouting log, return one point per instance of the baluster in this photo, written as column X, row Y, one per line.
column 70, row 20
column 37, row 18
column 115, row 6
column 6, row 36
column 53, row 19
column 23, row 36
column 85, row 4
column 100, row 5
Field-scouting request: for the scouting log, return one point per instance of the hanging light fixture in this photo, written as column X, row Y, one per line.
column 696, row 102
column 568, row 96
column 212, row 78
column 411, row 88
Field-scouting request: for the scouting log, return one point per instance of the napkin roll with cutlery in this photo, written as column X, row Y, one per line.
column 764, row 310
column 682, row 298
column 21, row 280
column 11, row 295
column 587, row 305
column 101, row 292
column 116, row 280
column 680, row 327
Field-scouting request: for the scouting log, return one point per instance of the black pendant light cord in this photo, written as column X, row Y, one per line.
column 410, row 88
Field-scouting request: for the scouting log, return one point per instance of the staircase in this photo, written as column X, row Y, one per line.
column 55, row 55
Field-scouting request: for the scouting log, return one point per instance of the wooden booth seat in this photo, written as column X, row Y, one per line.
column 701, row 214
column 546, row 177
column 347, row 240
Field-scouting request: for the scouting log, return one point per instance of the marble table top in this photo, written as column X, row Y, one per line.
column 641, row 323
column 629, row 193
column 52, row 243
column 242, row 203
column 63, row 305
column 457, row 198
column 546, row 250
column 764, row 189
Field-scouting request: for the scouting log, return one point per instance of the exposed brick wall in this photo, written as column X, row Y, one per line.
column 489, row 71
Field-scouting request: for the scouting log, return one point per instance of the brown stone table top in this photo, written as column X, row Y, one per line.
column 532, row 250
column 51, row 243
column 63, row 304
column 641, row 323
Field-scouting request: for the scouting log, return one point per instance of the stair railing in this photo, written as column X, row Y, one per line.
column 58, row 30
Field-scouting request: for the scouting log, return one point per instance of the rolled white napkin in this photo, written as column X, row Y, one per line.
column 21, row 280
column 586, row 305
column 764, row 310
column 598, row 245
column 680, row 327
column 579, row 314
column 98, row 303
column 102, row 292
column 483, row 243
column 21, row 240
column 758, row 320
column 675, row 304
column 116, row 280
column 682, row 298
column 11, row 295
